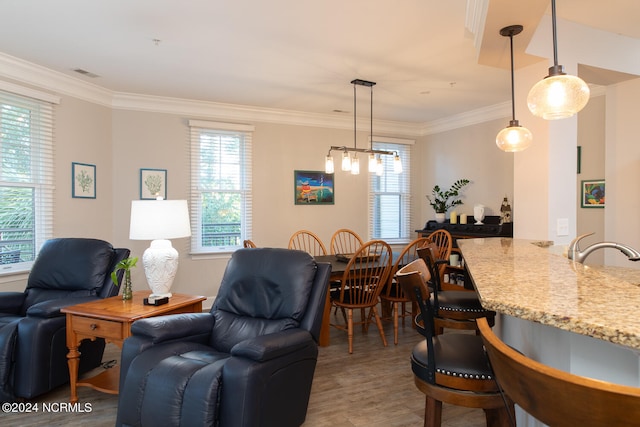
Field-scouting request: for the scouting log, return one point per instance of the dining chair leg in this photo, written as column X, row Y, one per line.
column 365, row 320
column 395, row 322
column 350, row 329
column 380, row 328
column 432, row 412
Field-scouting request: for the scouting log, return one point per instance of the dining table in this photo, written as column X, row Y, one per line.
column 338, row 266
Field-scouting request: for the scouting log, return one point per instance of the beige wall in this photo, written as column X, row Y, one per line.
column 468, row 152
column 591, row 139
column 622, row 170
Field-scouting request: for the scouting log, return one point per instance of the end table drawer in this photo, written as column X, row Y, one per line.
column 99, row 327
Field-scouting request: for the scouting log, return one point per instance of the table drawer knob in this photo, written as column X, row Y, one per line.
column 93, row 326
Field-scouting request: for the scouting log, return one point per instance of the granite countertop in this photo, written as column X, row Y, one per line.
column 528, row 280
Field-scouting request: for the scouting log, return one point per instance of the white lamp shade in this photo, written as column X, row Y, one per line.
column 514, row 138
column 159, row 219
column 558, row 97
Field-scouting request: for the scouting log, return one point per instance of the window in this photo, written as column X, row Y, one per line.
column 220, row 186
column 26, row 179
column 389, row 195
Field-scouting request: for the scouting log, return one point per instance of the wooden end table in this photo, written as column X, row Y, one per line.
column 111, row 319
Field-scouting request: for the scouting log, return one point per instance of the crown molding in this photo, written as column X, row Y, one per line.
column 28, row 73
column 482, row 115
column 54, row 81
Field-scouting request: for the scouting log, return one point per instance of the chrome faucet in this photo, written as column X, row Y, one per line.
column 580, row 255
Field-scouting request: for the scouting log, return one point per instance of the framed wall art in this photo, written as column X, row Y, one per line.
column 83, row 181
column 593, row 193
column 153, row 184
column 313, row 188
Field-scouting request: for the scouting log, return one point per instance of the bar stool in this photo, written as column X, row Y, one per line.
column 453, row 309
column 452, row 367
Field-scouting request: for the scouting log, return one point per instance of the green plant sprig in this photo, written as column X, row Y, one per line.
column 126, row 264
column 439, row 200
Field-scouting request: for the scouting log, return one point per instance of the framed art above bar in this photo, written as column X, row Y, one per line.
column 593, row 193
column 83, row 181
column 313, row 188
column 153, row 184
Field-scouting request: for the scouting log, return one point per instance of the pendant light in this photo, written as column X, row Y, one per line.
column 514, row 137
column 350, row 161
column 559, row 95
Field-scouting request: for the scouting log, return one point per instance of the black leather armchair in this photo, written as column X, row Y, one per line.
column 248, row 362
column 33, row 349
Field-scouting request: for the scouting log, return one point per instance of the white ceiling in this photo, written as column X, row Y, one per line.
column 290, row 54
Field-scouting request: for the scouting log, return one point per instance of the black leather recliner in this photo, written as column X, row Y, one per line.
column 248, row 362
column 33, row 348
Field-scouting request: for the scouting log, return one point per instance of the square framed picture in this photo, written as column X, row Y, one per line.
column 313, row 188
column 153, row 184
column 593, row 193
column 83, row 180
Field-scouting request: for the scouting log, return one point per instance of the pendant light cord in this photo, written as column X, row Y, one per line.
column 513, row 87
column 555, row 33
column 355, row 133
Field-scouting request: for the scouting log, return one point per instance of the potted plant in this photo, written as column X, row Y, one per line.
column 441, row 200
column 126, row 264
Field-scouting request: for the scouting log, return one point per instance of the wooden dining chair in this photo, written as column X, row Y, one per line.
column 345, row 241
column 364, row 278
column 444, row 242
column 248, row 244
column 555, row 397
column 305, row 240
column 451, row 368
column 393, row 294
column 453, row 309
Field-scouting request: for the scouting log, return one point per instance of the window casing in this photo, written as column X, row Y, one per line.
column 26, row 179
column 221, row 196
column 390, row 197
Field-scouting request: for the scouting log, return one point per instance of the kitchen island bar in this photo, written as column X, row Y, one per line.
column 577, row 318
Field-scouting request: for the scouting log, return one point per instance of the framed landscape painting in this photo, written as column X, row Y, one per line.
column 313, row 188
column 593, row 194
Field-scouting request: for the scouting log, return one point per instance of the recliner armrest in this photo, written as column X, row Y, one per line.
column 173, row 326
column 11, row 302
column 267, row 347
column 51, row 308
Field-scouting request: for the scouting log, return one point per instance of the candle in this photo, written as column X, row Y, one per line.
column 463, row 219
column 453, row 219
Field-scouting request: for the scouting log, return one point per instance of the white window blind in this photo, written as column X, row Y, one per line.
column 26, row 179
column 220, row 186
column 389, row 197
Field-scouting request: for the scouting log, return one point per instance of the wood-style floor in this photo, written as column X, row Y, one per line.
column 372, row 387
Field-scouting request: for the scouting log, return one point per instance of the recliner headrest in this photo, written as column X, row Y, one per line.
column 71, row 264
column 269, row 283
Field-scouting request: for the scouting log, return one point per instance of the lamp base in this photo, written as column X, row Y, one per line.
column 160, row 262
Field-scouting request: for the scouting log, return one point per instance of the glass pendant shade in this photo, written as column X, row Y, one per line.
column 328, row 165
column 397, row 164
column 346, row 162
column 355, row 165
column 379, row 167
column 514, row 138
column 373, row 164
column 558, row 96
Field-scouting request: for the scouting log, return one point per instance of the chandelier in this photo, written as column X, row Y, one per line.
column 350, row 160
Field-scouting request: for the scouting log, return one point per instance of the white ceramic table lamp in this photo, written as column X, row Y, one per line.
column 159, row 221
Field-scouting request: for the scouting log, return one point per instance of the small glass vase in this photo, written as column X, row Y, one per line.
column 127, row 291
